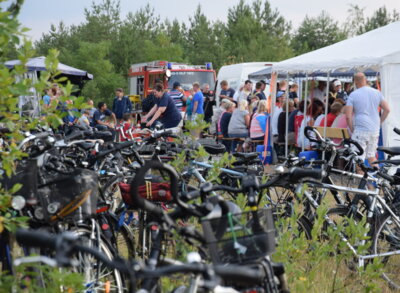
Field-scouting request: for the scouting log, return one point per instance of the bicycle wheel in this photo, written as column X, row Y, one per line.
column 111, row 192
column 386, row 238
column 123, row 237
column 97, row 276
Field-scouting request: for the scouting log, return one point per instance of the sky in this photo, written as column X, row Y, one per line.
column 38, row 15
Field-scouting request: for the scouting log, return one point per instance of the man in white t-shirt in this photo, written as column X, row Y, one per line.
column 244, row 92
column 280, row 96
column 362, row 115
column 319, row 92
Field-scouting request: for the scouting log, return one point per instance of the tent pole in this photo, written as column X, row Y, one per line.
column 305, row 105
column 287, row 115
column 326, row 109
column 300, row 88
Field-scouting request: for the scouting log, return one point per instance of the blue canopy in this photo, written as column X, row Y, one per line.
column 38, row 64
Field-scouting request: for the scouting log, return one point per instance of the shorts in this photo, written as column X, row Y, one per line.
column 368, row 141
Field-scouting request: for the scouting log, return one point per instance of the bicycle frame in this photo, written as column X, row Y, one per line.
column 370, row 214
column 197, row 174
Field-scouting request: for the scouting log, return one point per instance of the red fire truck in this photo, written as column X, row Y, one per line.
column 143, row 76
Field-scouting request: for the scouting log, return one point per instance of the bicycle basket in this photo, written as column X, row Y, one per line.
column 240, row 238
column 74, row 196
column 25, row 174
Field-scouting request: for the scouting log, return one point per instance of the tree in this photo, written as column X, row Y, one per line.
column 257, row 33
column 318, row 32
column 106, row 80
column 202, row 42
column 102, row 21
column 357, row 23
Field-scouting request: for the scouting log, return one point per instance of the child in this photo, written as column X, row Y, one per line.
column 83, row 121
column 126, row 128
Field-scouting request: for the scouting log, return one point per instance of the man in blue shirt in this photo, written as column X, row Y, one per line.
column 226, row 91
column 100, row 115
column 198, row 100
column 47, row 98
column 121, row 104
column 164, row 109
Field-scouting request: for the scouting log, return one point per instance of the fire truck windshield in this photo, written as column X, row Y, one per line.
column 187, row 78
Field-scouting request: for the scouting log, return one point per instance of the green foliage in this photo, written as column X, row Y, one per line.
column 357, row 23
column 257, row 33
column 55, row 280
column 106, row 80
column 225, row 161
column 320, row 264
column 318, row 32
column 204, row 41
column 196, row 127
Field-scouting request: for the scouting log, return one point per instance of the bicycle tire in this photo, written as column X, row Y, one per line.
column 386, row 238
column 111, row 192
column 91, row 266
column 123, row 237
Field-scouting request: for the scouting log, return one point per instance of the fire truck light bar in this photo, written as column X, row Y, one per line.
column 167, row 65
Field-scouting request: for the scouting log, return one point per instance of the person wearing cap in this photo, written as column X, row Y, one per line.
column 121, row 104
column 334, row 88
column 341, row 95
column 177, row 95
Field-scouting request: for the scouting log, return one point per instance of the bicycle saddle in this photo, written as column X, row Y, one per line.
column 246, row 156
column 86, row 145
column 392, row 151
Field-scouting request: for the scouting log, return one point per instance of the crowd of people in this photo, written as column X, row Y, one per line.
column 243, row 117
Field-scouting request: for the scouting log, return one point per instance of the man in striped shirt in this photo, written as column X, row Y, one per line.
column 177, row 95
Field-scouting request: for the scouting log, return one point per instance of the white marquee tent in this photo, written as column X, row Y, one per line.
column 377, row 50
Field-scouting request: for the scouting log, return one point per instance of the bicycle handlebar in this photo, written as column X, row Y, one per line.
column 41, row 239
column 294, row 175
column 359, row 151
column 227, row 272
column 36, row 238
column 308, row 129
column 117, row 147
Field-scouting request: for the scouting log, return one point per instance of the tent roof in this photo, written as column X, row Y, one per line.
column 367, row 51
column 38, row 64
column 266, row 73
column 260, row 74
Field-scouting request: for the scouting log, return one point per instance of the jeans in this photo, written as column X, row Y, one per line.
column 106, row 128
